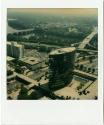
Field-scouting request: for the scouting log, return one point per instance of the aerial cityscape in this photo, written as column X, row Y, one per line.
column 52, row 54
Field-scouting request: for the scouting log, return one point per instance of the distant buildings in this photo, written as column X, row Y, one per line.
column 15, row 50
column 61, row 65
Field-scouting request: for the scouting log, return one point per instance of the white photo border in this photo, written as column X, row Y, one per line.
column 44, row 112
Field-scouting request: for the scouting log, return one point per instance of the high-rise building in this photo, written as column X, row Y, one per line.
column 61, row 65
column 15, row 50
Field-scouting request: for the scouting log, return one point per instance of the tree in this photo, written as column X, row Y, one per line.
column 90, row 59
column 23, row 93
column 66, row 97
column 95, row 97
column 69, row 97
column 89, row 69
column 81, row 67
column 93, row 70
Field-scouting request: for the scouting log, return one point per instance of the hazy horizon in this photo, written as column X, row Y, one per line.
column 56, row 11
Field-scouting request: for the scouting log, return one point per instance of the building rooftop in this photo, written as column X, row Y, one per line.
column 62, row 50
column 30, row 60
column 9, row 58
column 14, row 44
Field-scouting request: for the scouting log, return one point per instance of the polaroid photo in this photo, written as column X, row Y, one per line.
column 52, row 62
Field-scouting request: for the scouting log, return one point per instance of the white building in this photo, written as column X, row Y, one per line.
column 15, row 50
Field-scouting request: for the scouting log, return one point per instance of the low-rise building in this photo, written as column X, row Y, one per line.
column 31, row 62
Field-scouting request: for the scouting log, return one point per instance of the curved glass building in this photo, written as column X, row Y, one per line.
column 61, row 65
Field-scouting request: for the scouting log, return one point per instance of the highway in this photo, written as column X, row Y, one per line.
column 86, row 50
column 88, row 39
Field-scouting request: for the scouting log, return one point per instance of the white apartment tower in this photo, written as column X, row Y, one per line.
column 15, row 50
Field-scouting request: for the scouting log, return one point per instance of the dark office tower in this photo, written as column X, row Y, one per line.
column 61, row 65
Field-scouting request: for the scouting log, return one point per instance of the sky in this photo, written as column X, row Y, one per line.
column 56, row 11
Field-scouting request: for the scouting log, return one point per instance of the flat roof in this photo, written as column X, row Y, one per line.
column 30, row 60
column 62, row 50
column 9, row 58
column 14, row 44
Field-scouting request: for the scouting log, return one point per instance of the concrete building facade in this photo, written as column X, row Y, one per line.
column 15, row 50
